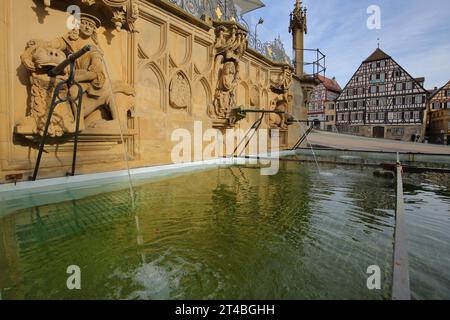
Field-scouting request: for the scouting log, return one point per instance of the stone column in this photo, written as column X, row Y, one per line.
column 298, row 28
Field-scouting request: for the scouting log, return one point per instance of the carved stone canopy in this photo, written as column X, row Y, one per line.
column 231, row 40
column 122, row 13
column 298, row 18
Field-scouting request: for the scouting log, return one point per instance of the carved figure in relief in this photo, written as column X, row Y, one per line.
column 231, row 44
column 281, row 120
column 283, row 82
column 90, row 73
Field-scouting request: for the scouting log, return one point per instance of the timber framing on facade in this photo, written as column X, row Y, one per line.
column 439, row 117
column 383, row 100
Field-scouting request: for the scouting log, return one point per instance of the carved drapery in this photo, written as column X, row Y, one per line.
column 231, row 44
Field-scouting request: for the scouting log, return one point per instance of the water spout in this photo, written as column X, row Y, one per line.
column 125, row 152
column 312, row 149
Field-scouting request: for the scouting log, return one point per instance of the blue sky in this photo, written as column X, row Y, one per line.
column 415, row 33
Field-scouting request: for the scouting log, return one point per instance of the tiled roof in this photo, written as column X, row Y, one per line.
column 377, row 55
column 330, row 84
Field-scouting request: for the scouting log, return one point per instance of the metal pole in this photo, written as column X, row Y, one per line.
column 77, row 129
column 53, row 105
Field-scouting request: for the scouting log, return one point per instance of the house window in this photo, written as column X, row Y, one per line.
column 398, row 86
column 416, row 115
column 448, row 105
column 353, row 116
column 381, row 116
column 449, row 125
column 383, row 64
column 447, row 93
column 409, row 100
column 350, row 92
column 407, row 115
column 409, row 85
column 383, row 102
column 399, row 101
column 382, row 88
column 436, row 105
column 373, row 89
column 397, row 131
column 419, row 99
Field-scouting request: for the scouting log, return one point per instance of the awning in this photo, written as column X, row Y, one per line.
column 246, row 6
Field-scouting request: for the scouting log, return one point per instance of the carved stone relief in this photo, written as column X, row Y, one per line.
column 104, row 103
column 180, row 92
column 254, row 96
column 280, row 85
column 231, row 44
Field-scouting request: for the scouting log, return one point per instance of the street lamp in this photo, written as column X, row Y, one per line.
column 261, row 21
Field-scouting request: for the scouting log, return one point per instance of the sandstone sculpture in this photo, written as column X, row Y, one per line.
column 231, row 44
column 116, row 98
column 180, row 92
column 280, row 85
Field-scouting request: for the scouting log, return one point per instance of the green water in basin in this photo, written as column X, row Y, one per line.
column 230, row 233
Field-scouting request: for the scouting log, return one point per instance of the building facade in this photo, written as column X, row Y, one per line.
column 383, row 100
column 439, row 118
column 322, row 102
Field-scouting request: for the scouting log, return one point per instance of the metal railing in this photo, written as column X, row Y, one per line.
column 315, row 62
column 225, row 10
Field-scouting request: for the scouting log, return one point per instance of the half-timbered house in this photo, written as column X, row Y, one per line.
column 439, row 118
column 383, row 100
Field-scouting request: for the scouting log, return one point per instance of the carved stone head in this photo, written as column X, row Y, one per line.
column 37, row 57
column 88, row 24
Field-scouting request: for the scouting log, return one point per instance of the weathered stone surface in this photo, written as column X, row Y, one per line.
column 174, row 71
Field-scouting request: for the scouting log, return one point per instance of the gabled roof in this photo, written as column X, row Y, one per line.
column 436, row 91
column 377, row 55
column 330, row 84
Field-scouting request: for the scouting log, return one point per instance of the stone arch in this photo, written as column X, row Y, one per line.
column 202, row 97
column 151, row 89
column 242, row 94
